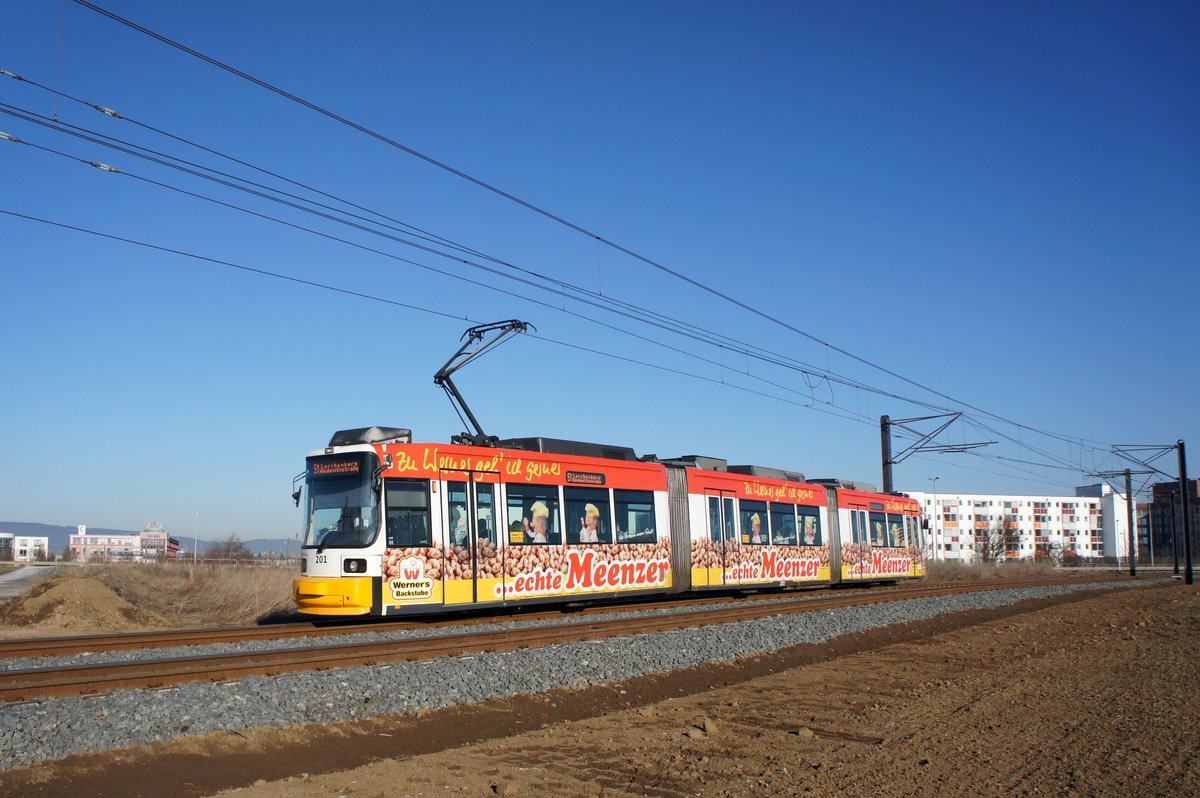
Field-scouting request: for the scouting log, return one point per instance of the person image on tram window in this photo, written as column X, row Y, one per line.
column 810, row 530
column 459, row 536
column 589, row 525
column 877, row 538
column 756, row 535
column 535, row 530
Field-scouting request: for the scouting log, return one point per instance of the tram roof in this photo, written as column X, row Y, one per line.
column 580, row 448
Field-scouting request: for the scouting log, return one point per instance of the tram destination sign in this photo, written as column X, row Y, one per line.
column 584, row 478
column 338, row 467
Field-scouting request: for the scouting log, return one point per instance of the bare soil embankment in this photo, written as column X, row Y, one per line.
column 90, row 599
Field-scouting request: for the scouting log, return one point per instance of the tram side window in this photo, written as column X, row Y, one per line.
column 730, row 519
column 810, row 526
column 911, row 526
column 783, row 524
column 714, row 518
column 484, row 521
column 878, row 529
column 861, row 528
column 456, row 501
column 533, row 515
column 635, row 516
column 588, row 518
column 407, row 513
column 754, row 523
column 895, row 536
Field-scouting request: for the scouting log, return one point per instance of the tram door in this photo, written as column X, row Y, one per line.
column 469, row 521
column 722, row 532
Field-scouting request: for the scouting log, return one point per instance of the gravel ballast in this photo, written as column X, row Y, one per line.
column 46, row 730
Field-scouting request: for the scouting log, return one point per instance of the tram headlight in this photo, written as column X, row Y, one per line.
column 354, row 566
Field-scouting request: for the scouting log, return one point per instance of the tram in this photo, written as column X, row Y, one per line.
column 395, row 527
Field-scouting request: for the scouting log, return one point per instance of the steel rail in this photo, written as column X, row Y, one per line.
column 166, row 638
column 169, row 638
column 28, row 684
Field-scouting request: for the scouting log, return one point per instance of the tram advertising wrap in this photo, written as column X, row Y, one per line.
column 520, row 525
column 884, row 539
column 756, row 531
column 394, row 527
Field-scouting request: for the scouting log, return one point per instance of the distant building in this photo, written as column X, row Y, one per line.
column 152, row 544
column 23, row 548
column 91, row 547
column 970, row 527
column 1159, row 529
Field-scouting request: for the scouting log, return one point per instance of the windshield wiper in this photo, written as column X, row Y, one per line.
column 337, row 526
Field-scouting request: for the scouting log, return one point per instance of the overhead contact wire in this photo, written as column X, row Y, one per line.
column 545, row 213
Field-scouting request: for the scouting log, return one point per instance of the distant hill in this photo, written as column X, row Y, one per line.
column 60, row 537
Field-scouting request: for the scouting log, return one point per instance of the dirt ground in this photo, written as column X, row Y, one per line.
column 70, row 605
column 1097, row 695
column 129, row 597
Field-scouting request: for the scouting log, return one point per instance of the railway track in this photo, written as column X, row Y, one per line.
column 125, row 641
column 30, row 684
column 173, row 638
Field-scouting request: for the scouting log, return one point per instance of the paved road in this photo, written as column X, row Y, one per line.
column 14, row 583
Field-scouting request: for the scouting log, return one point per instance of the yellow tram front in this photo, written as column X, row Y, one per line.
column 342, row 554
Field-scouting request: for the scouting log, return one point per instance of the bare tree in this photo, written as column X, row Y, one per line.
column 1000, row 538
column 1063, row 553
column 231, row 548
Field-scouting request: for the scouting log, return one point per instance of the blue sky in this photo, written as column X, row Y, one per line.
column 996, row 201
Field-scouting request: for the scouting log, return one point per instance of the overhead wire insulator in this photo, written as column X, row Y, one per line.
column 12, row 138
column 108, row 112
column 105, row 167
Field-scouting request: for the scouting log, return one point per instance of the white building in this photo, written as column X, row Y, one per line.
column 151, row 545
column 23, row 548
column 88, row 546
column 970, row 527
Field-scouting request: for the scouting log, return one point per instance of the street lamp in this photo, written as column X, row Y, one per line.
column 937, row 553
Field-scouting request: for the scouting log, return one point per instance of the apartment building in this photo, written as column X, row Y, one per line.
column 1091, row 525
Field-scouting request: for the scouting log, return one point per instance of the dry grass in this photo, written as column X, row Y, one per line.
column 204, row 594
column 941, row 571
column 6, row 567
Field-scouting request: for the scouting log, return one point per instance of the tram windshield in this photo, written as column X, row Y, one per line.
column 343, row 506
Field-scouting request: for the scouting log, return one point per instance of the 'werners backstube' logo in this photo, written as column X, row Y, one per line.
column 412, row 582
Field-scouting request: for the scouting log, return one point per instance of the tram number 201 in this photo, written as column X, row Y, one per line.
column 321, row 558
